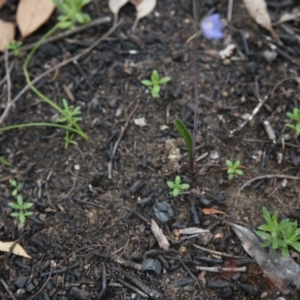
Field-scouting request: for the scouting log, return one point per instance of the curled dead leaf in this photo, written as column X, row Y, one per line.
column 257, row 9
column 7, row 33
column 115, row 6
column 31, row 14
column 212, row 211
column 17, row 249
column 160, row 237
column 143, row 9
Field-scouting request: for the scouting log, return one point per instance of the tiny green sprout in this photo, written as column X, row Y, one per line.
column 21, row 208
column 16, row 186
column 233, row 169
column 295, row 116
column 279, row 235
column 155, row 83
column 71, row 8
column 5, row 162
column 69, row 114
column 14, row 46
column 177, row 187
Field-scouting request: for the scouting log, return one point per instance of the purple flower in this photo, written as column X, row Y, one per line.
column 212, row 27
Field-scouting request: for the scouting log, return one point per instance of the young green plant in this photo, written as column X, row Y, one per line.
column 177, row 186
column 20, row 206
column 233, row 169
column 5, row 162
column 295, row 116
column 155, row 83
column 67, row 7
column 74, row 115
column 279, row 235
column 14, row 46
column 70, row 116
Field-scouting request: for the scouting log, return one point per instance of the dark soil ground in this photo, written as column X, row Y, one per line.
column 84, row 223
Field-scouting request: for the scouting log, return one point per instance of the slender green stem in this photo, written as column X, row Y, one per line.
column 41, row 124
column 78, row 130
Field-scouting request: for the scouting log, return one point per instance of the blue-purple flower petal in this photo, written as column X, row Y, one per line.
column 212, row 27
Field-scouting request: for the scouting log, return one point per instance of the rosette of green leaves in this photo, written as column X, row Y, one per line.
column 177, row 186
column 155, row 83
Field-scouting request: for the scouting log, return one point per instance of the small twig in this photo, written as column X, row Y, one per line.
column 74, row 252
column 220, row 269
column 7, row 289
column 263, row 177
column 217, row 252
column 4, row 77
column 64, row 34
column 120, row 137
column 8, row 81
column 254, row 112
column 138, row 291
column 45, row 283
column 89, row 203
column 191, row 274
column 63, row 63
column 104, row 283
column 279, row 83
column 229, row 10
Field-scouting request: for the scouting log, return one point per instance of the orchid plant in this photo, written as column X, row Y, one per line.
column 212, row 29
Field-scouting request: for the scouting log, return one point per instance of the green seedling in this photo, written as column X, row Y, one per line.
column 5, row 162
column 71, row 7
column 72, row 127
column 21, row 208
column 69, row 114
column 20, row 205
column 186, row 135
column 14, row 46
column 233, row 169
column 295, row 116
column 16, row 186
column 279, row 235
column 155, row 83
column 176, row 186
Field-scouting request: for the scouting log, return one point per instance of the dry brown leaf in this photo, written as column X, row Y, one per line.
column 115, row 6
column 257, row 9
column 2, row 2
column 18, row 250
column 143, row 9
column 286, row 17
column 160, row 237
column 7, row 33
column 283, row 272
column 31, row 14
column 212, row 211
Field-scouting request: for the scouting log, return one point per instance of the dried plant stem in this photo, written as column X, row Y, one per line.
column 196, row 92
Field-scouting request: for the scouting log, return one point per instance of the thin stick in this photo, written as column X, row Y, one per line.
column 191, row 274
column 229, row 11
column 138, row 291
column 220, row 269
column 63, row 63
column 262, row 177
column 254, row 112
column 64, row 34
column 7, row 289
column 217, row 252
column 196, row 92
column 8, row 81
column 120, row 137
